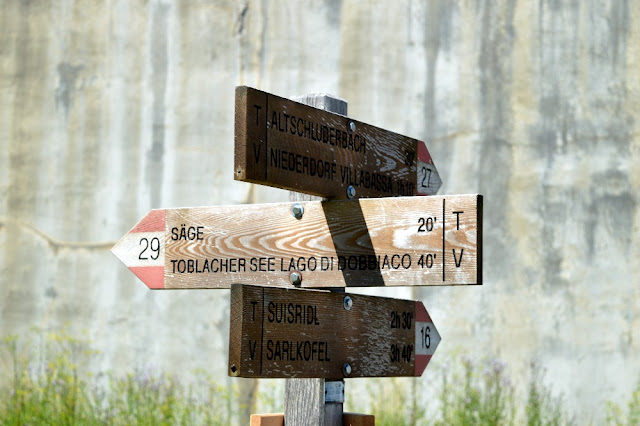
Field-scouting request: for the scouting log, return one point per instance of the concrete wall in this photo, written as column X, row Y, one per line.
column 111, row 108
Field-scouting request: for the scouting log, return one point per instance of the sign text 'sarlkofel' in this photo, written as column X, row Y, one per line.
column 276, row 332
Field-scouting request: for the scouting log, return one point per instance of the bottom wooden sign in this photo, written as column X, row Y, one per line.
column 276, row 332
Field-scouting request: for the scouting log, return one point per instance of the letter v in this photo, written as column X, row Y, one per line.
column 458, row 261
column 252, row 350
column 257, row 152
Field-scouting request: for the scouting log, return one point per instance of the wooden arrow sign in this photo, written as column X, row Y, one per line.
column 286, row 144
column 276, row 332
column 368, row 242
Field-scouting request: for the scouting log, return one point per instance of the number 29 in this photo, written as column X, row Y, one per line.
column 153, row 246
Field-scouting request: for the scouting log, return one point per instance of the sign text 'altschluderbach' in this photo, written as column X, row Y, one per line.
column 368, row 242
column 286, row 144
column 276, row 332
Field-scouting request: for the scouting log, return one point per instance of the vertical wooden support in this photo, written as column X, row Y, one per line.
column 304, row 402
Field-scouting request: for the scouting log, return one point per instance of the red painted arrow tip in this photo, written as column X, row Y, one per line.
column 421, row 313
column 421, row 364
column 152, row 276
column 422, row 359
column 423, row 153
column 149, row 270
column 154, row 221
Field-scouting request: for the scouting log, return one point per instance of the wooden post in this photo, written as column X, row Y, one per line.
column 304, row 402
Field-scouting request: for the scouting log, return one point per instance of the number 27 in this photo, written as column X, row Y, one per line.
column 426, row 176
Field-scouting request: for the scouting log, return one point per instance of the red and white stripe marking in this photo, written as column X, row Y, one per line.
column 427, row 338
column 145, row 264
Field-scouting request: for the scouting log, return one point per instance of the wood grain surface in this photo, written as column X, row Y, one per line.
column 286, row 144
column 348, row 419
column 277, row 332
column 402, row 241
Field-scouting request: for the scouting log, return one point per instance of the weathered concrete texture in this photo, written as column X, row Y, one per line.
column 109, row 109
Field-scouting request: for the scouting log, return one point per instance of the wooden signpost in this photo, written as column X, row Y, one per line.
column 267, row 253
column 290, row 145
column 278, row 333
column 407, row 241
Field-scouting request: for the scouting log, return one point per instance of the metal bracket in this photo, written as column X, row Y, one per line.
column 334, row 391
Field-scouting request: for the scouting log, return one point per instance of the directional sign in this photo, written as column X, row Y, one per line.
column 276, row 332
column 286, row 144
column 368, row 242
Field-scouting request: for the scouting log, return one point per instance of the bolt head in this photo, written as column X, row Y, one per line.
column 296, row 278
column 351, row 191
column 297, row 210
column 352, row 127
column 346, row 369
column 347, row 303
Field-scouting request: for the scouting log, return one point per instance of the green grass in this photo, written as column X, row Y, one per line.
column 477, row 394
column 542, row 407
column 43, row 380
column 480, row 393
column 629, row 417
column 469, row 394
column 46, row 386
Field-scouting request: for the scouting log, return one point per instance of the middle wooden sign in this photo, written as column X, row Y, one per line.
column 286, row 144
column 402, row 241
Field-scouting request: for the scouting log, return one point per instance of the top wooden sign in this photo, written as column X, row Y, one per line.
column 289, row 145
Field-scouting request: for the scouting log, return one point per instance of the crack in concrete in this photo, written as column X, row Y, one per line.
column 52, row 242
column 241, row 19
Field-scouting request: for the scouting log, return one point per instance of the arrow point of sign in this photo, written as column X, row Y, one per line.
column 142, row 249
column 423, row 355
column 429, row 172
column 438, row 182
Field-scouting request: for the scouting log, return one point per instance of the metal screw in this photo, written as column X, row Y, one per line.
column 351, row 191
column 352, row 127
column 346, row 369
column 296, row 278
column 347, row 303
column 297, row 210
